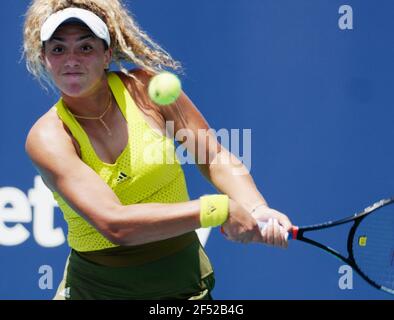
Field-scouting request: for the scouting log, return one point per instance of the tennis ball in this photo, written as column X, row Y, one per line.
column 164, row 88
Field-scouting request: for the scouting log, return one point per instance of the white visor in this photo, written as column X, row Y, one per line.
column 98, row 27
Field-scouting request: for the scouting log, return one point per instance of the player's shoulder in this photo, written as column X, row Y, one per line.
column 45, row 127
column 46, row 134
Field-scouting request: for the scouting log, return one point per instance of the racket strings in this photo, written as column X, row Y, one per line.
column 373, row 247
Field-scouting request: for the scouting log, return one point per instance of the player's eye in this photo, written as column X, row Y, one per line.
column 86, row 48
column 57, row 50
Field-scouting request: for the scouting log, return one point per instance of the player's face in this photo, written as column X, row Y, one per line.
column 76, row 60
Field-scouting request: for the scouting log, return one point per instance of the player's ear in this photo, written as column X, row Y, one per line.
column 107, row 58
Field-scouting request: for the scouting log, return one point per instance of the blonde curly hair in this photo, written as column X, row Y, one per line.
column 128, row 42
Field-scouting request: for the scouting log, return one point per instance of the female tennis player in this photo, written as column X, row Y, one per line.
column 131, row 223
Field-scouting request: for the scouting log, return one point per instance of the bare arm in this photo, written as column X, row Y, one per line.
column 54, row 156
column 215, row 162
column 219, row 166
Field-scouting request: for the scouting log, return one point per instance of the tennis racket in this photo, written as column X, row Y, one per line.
column 370, row 243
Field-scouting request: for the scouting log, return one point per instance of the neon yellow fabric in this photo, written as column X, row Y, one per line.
column 147, row 170
column 213, row 210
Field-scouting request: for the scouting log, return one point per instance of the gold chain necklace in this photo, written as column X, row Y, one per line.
column 99, row 117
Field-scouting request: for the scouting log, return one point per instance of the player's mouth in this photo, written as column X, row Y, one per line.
column 72, row 74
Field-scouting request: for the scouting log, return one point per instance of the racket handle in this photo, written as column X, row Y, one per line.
column 292, row 235
column 262, row 225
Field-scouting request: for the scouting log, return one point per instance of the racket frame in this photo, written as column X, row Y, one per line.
column 298, row 234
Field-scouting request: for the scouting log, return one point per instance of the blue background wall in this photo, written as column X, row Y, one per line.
column 319, row 102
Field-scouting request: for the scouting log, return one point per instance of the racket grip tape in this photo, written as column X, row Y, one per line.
column 292, row 235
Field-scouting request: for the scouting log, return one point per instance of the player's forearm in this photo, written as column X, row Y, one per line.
column 142, row 223
column 231, row 177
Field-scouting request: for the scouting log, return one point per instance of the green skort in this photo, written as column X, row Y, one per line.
column 186, row 274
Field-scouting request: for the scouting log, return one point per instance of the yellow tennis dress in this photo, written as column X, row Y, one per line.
column 146, row 171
